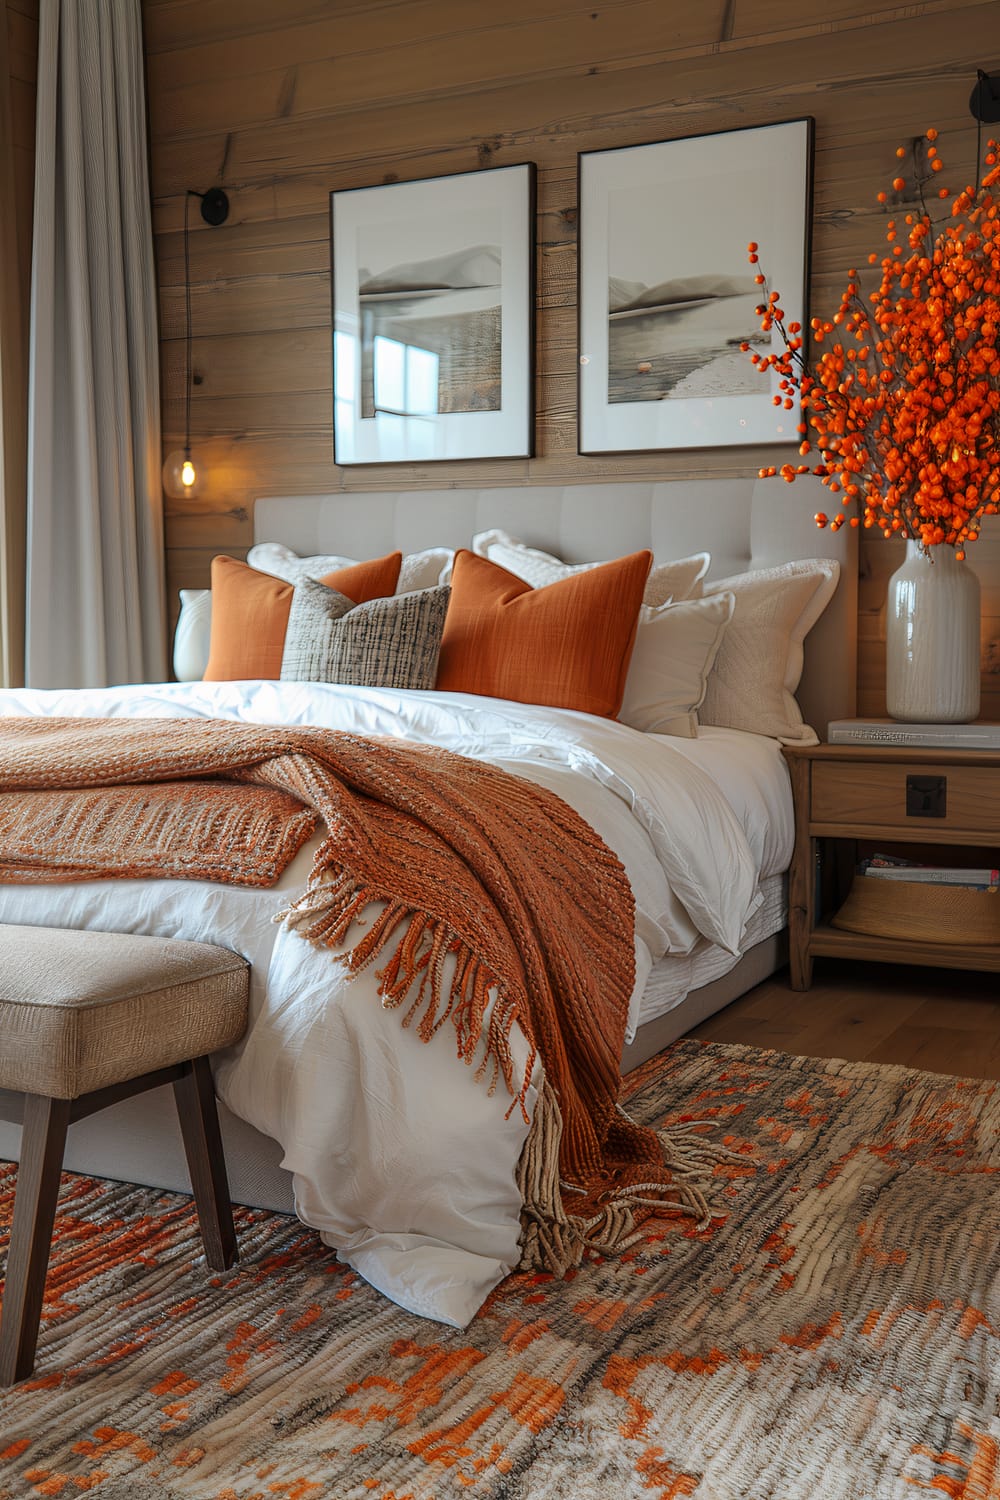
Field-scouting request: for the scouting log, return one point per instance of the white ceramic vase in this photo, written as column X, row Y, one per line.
column 932, row 638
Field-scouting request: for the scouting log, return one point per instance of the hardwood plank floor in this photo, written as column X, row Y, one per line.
column 940, row 1020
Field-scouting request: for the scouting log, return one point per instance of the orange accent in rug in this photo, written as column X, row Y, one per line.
column 767, row 1355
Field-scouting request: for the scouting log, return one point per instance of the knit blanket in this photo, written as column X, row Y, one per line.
column 461, row 858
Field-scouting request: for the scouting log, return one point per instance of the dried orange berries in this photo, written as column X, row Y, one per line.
column 903, row 406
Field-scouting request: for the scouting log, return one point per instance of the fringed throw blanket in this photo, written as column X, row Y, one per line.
column 464, row 859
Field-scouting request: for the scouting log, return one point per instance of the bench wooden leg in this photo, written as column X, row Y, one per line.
column 42, row 1142
column 195, row 1095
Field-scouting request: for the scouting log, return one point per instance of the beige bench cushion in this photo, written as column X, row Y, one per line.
column 81, row 1010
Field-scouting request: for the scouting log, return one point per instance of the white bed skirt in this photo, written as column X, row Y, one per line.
column 139, row 1139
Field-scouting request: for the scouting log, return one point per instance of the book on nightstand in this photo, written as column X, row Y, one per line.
column 985, row 880
column 914, row 871
column 979, row 736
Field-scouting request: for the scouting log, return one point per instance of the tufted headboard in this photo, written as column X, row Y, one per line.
column 743, row 523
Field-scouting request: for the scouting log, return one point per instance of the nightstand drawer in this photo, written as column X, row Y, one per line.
column 848, row 797
column 869, row 794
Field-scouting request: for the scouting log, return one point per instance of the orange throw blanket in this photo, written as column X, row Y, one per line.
column 466, row 858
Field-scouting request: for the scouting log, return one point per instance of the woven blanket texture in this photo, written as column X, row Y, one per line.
column 466, row 858
column 833, row 1334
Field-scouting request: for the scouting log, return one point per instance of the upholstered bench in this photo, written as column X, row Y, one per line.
column 86, row 1019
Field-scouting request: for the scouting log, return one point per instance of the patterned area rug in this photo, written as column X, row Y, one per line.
column 835, row 1334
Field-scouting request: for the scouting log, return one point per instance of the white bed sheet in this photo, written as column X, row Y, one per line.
column 753, row 774
column 673, row 977
column 403, row 1163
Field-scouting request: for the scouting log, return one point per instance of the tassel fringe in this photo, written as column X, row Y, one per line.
column 552, row 1240
column 324, row 914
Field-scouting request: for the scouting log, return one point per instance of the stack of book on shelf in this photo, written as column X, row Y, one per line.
column 887, row 867
column 900, row 898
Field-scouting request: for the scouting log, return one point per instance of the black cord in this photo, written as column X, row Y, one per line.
column 187, row 304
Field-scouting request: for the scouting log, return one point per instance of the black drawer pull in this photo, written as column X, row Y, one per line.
column 926, row 796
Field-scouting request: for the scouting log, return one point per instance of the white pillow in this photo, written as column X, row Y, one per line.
column 419, row 570
column 675, row 647
column 752, row 685
column 667, row 582
column 192, row 635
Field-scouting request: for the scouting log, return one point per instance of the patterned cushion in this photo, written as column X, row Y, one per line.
column 391, row 643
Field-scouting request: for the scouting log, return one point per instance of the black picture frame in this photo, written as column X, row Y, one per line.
column 433, row 288
column 666, row 293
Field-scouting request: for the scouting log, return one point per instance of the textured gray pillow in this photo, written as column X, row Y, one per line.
column 392, row 642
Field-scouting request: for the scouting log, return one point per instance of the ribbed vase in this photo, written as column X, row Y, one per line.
column 932, row 638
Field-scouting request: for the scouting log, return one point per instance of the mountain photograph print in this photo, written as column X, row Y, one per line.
column 677, row 338
column 433, row 318
column 446, row 308
column 665, row 294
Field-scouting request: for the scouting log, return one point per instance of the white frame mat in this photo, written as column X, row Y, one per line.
column 666, row 291
column 434, row 252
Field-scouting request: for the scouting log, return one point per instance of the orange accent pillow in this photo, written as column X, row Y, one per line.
column 567, row 645
column 250, row 612
column 364, row 581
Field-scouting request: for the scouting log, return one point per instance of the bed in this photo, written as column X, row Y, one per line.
column 300, row 1127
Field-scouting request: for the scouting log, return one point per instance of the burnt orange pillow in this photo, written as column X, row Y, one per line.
column 567, row 645
column 250, row 612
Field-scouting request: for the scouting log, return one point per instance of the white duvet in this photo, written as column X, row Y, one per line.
column 399, row 1158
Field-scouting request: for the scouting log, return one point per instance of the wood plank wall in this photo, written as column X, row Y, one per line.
column 283, row 101
column 18, row 68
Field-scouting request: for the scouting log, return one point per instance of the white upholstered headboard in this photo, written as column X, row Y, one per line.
column 743, row 523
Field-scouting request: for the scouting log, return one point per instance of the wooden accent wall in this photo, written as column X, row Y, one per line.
column 283, row 101
column 18, row 68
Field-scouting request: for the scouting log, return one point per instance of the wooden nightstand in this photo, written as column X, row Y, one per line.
column 846, row 793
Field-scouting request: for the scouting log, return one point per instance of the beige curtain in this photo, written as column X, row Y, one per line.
column 95, row 584
column 16, row 130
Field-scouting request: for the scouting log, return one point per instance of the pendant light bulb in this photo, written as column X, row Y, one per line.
column 181, row 475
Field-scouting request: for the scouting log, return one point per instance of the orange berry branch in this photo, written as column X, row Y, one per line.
column 905, row 413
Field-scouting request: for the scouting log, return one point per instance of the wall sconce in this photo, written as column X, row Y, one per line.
column 180, row 474
column 985, row 100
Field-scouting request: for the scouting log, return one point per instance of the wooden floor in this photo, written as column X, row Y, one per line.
column 940, row 1020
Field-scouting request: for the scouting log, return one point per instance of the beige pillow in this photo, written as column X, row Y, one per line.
column 752, row 684
column 667, row 582
column 675, row 647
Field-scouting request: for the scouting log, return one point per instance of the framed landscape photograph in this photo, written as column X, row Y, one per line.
column 433, row 318
column 666, row 293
